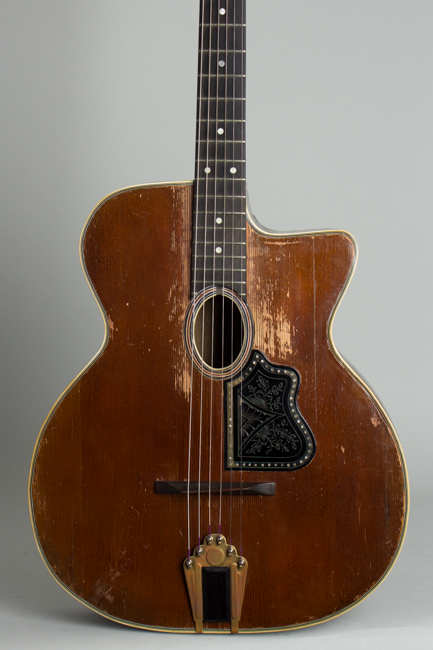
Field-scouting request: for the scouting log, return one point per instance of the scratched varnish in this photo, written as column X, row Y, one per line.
column 332, row 529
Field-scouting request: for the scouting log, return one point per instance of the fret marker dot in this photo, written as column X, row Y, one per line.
column 220, row 131
column 232, row 170
column 218, row 249
column 219, row 220
column 207, row 170
column 222, row 11
column 221, row 64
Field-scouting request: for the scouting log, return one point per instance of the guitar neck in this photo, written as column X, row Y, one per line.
column 219, row 220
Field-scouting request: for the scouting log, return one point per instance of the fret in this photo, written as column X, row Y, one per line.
column 224, row 184
column 223, row 174
column 230, row 108
column 235, row 129
column 210, row 196
column 198, row 119
column 224, row 50
column 231, row 249
column 223, row 141
column 226, row 99
column 229, row 281
column 238, row 215
column 221, row 221
column 221, row 203
column 220, row 109
column 222, row 63
column 228, row 214
column 212, row 241
column 210, row 188
column 223, row 232
column 227, row 228
column 228, row 268
column 235, row 250
column 223, row 177
column 227, row 161
column 211, row 179
column 223, row 150
column 221, row 76
column 217, row 155
column 224, row 25
column 222, row 37
column 233, row 268
column 226, row 272
column 220, row 235
column 235, row 11
column 218, row 280
column 208, row 250
column 229, row 88
column 230, row 220
column 214, row 276
column 208, row 261
column 236, row 234
column 220, row 121
column 214, row 54
column 228, row 265
column 220, row 166
column 220, row 171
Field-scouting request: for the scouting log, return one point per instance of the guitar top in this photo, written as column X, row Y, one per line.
column 218, row 467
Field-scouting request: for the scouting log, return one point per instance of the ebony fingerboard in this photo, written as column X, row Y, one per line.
column 219, row 218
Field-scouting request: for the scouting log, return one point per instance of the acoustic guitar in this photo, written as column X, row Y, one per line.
column 218, row 466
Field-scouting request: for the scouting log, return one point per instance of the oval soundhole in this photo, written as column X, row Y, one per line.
column 219, row 332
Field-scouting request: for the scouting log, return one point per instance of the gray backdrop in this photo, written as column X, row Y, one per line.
column 100, row 94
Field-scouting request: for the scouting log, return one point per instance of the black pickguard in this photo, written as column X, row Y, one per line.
column 265, row 429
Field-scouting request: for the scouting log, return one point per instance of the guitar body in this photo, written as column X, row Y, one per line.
column 332, row 529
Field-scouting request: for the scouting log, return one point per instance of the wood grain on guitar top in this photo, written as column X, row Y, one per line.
column 332, row 529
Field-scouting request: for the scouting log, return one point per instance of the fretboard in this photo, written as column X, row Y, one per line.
column 219, row 217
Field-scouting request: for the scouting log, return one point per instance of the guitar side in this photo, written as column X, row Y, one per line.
column 333, row 528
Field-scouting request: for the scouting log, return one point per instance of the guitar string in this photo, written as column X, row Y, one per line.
column 194, row 291
column 224, row 121
column 243, row 138
column 231, row 310
column 236, row 166
column 215, row 171
column 242, row 166
column 233, row 171
column 206, row 179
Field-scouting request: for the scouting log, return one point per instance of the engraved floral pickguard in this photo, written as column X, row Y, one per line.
column 265, row 428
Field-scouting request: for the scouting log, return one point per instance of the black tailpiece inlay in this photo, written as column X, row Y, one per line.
column 265, row 429
column 216, row 594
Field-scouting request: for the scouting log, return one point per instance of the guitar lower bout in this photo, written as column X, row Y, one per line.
column 318, row 539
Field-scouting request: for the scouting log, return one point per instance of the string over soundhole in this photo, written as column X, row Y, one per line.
column 218, row 332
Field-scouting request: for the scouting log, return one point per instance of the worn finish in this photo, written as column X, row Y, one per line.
column 331, row 530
